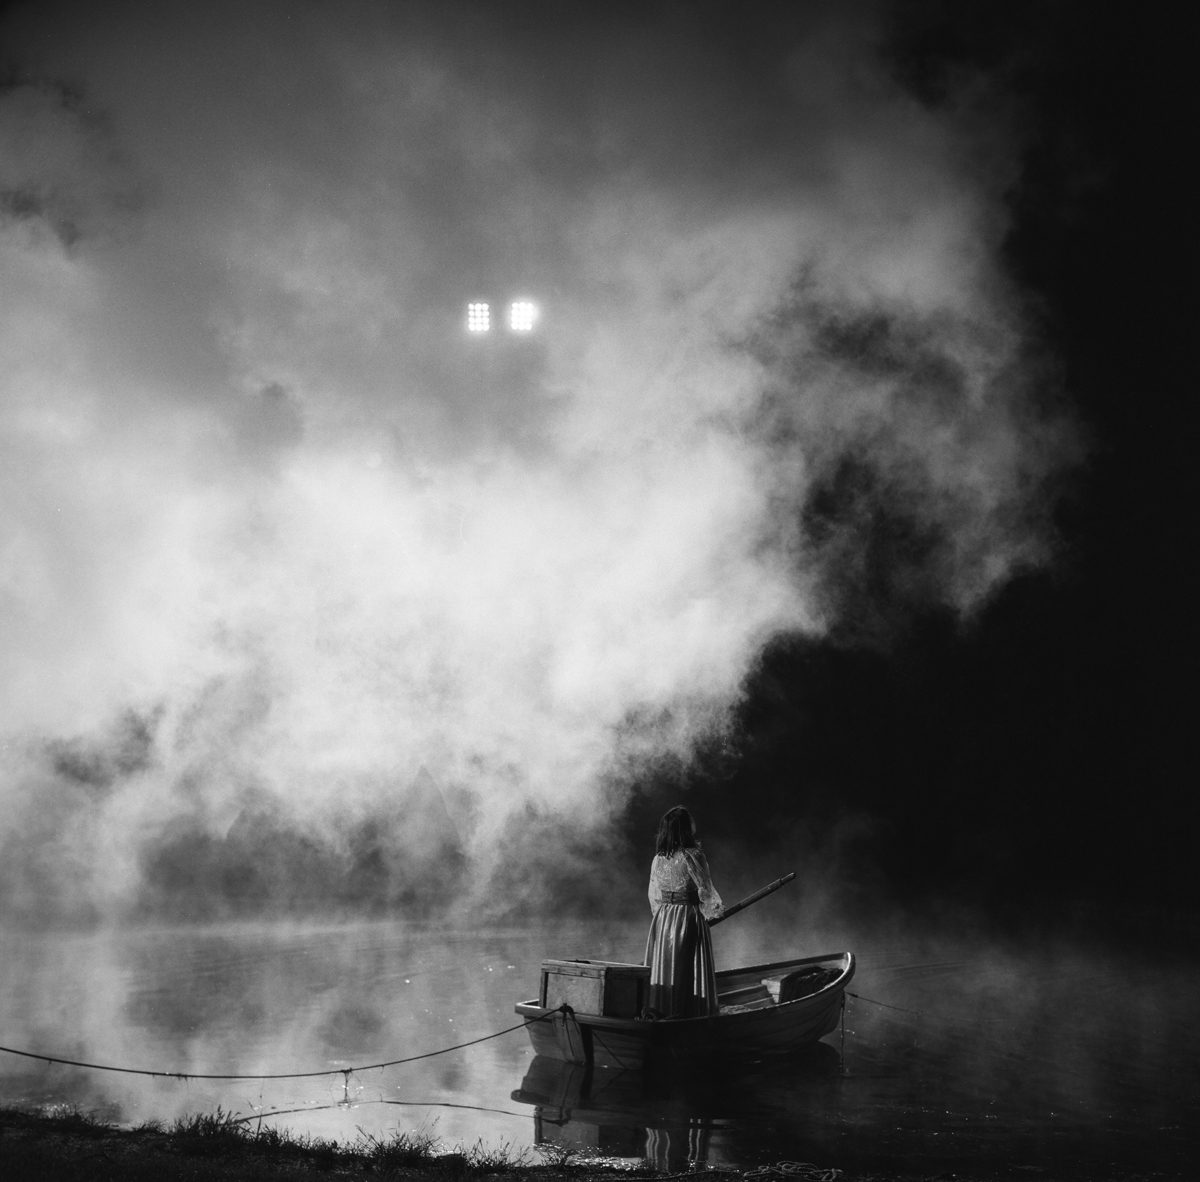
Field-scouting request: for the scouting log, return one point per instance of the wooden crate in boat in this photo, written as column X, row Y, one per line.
column 604, row 987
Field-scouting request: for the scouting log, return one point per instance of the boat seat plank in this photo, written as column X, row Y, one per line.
column 758, row 992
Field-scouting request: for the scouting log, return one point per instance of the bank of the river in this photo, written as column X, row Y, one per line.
column 39, row 1147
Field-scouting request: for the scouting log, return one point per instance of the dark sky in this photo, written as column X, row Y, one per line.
column 1041, row 754
column 841, row 489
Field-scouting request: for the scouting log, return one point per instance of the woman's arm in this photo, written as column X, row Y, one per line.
column 654, row 891
column 710, row 901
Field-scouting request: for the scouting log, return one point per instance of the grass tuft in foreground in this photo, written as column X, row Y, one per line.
column 400, row 1151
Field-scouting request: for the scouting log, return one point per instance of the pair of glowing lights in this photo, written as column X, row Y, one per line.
column 522, row 316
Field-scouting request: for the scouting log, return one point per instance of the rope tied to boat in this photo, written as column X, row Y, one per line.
column 345, row 1072
column 884, row 1004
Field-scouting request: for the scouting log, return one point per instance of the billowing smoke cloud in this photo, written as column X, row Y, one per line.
column 298, row 583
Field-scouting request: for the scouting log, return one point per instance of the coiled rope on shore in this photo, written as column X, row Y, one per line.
column 346, row 1072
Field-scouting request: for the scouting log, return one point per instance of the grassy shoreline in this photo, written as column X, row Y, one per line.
column 75, row 1147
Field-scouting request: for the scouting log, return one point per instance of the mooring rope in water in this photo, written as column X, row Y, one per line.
column 346, row 1072
column 267, row 1115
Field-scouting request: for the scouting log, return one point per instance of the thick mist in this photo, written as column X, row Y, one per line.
column 309, row 601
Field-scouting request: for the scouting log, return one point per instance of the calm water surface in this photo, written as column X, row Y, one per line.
column 966, row 1055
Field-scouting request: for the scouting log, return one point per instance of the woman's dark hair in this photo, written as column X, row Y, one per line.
column 676, row 831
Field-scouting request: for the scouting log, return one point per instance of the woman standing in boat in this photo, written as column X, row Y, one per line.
column 682, row 901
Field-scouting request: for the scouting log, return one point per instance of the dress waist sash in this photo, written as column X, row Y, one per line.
column 687, row 896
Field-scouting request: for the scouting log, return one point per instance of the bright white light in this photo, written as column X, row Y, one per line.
column 521, row 315
column 479, row 317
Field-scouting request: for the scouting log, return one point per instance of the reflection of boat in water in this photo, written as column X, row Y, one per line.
column 766, row 1009
column 676, row 1117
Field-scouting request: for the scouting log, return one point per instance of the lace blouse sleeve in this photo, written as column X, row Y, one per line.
column 654, row 892
column 710, row 901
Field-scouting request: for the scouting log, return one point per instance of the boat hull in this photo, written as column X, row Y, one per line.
column 775, row 1029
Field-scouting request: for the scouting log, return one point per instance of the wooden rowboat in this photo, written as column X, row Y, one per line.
column 765, row 1009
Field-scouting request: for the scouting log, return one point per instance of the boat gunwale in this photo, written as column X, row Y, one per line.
column 532, row 1011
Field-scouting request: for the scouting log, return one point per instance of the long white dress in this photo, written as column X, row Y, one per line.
column 679, row 947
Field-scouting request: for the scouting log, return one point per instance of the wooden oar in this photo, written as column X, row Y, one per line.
column 761, row 893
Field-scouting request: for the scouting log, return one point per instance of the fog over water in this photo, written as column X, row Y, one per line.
column 310, row 602
column 968, row 1053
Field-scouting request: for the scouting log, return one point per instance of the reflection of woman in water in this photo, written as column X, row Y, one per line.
column 682, row 901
